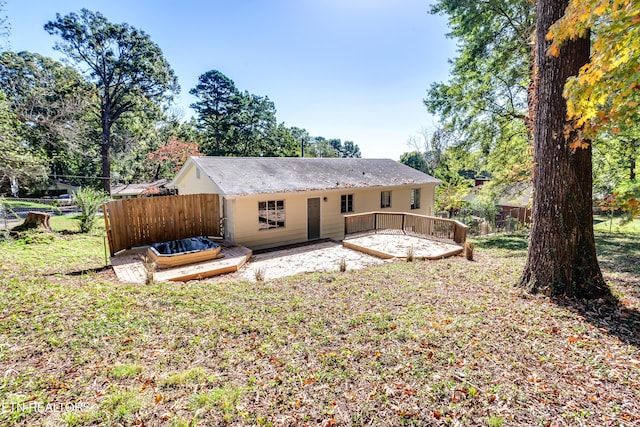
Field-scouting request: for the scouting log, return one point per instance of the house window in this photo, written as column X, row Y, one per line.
column 415, row 198
column 346, row 203
column 270, row 214
column 385, row 199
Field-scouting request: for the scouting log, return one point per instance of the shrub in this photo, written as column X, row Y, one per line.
column 410, row 254
column 468, row 250
column 149, row 270
column 89, row 201
column 260, row 274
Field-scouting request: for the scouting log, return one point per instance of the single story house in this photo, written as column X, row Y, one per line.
column 269, row 202
column 58, row 188
column 515, row 202
column 130, row 191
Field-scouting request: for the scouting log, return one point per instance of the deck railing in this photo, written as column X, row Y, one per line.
column 412, row 224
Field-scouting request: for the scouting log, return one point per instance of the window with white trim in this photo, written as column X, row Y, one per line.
column 346, row 203
column 270, row 214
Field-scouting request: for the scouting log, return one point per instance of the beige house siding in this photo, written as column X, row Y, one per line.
column 194, row 181
column 243, row 227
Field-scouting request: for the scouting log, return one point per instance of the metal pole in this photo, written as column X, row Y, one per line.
column 104, row 243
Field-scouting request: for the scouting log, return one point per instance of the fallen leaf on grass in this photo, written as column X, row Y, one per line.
column 309, row 381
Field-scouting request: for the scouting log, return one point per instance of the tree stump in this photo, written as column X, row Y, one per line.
column 36, row 220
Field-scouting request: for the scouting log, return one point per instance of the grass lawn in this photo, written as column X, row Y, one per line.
column 448, row 342
column 19, row 204
column 604, row 224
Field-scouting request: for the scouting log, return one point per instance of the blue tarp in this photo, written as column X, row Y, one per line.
column 192, row 244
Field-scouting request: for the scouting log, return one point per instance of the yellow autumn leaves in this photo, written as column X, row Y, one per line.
column 606, row 93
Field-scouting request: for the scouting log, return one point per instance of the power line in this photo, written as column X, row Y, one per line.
column 77, row 176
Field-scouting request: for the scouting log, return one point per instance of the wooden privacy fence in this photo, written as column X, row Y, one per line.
column 416, row 225
column 148, row 220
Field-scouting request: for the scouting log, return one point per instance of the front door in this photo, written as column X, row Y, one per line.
column 313, row 218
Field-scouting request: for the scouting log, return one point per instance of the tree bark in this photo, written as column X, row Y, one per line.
column 632, row 156
column 106, row 168
column 562, row 258
column 105, row 145
column 36, row 220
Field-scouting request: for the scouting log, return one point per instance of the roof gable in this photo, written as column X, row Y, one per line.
column 261, row 175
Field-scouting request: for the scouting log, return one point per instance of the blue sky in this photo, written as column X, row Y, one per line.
column 350, row 69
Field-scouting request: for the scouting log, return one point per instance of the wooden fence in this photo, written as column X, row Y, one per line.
column 148, row 220
column 416, row 225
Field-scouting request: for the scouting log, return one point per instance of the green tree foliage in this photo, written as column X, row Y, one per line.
column 436, row 154
column 283, row 143
column 217, row 106
column 134, row 136
column 126, row 66
column 52, row 100
column 17, row 161
column 89, row 201
column 302, row 139
column 485, row 101
column 414, row 159
column 615, row 159
column 234, row 123
column 625, row 199
column 321, row 147
column 429, row 150
column 253, row 127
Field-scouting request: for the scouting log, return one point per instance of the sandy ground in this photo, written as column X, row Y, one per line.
column 326, row 256
column 399, row 245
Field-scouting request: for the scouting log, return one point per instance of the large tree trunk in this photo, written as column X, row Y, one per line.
column 106, row 168
column 562, row 256
column 105, row 153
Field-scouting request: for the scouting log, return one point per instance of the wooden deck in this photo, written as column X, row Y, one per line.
column 129, row 265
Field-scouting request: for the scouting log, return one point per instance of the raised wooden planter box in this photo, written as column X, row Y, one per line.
column 182, row 252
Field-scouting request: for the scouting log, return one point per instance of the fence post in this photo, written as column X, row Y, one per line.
column 459, row 232
column 3, row 211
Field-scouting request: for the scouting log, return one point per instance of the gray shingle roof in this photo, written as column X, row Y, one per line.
column 120, row 189
column 259, row 175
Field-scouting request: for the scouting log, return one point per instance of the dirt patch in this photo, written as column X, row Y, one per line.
column 326, row 256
